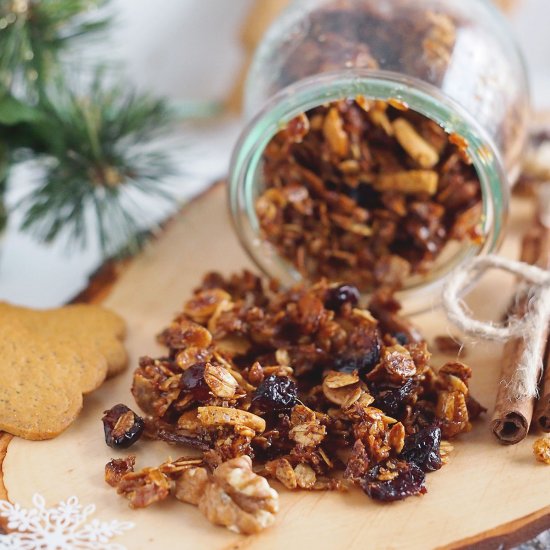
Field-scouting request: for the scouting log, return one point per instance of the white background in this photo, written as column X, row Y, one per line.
column 189, row 50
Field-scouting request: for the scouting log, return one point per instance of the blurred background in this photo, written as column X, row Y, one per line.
column 193, row 52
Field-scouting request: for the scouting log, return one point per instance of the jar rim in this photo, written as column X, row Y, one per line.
column 420, row 97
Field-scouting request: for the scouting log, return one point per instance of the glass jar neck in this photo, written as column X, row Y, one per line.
column 245, row 170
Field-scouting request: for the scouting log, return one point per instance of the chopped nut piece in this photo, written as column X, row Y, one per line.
column 334, row 133
column 190, row 486
column 415, row 145
column 541, row 449
column 234, row 496
column 239, row 499
column 410, row 182
column 219, row 416
column 380, row 118
column 306, row 428
column 144, row 488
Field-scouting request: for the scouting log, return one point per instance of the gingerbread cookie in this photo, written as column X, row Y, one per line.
column 49, row 359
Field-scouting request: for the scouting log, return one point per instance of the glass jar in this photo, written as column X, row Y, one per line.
column 452, row 61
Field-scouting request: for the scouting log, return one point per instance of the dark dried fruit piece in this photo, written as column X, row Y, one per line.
column 122, row 427
column 392, row 399
column 407, row 480
column 192, row 381
column 275, row 393
column 362, row 359
column 339, row 296
column 360, row 363
column 422, row 449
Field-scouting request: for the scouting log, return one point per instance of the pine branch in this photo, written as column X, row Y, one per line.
column 34, row 33
column 99, row 163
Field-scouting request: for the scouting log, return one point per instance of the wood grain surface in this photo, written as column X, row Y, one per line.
column 485, row 496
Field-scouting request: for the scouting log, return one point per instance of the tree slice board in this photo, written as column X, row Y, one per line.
column 487, row 496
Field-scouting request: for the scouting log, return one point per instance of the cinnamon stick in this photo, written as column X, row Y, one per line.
column 512, row 416
column 542, row 412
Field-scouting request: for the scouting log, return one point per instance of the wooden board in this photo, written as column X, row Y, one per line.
column 477, row 500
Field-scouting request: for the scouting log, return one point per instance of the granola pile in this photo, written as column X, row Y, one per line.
column 304, row 386
column 366, row 192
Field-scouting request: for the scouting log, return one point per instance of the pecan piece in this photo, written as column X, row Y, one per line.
column 145, row 487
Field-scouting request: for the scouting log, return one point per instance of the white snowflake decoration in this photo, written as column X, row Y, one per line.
column 65, row 527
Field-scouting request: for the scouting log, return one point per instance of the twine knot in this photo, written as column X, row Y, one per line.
column 530, row 327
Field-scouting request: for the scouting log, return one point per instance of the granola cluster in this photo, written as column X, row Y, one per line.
column 315, row 390
column 541, row 449
column 367, row 192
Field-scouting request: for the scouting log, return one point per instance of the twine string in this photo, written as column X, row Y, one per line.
column 530, row 328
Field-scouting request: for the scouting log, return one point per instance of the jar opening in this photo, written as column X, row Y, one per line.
column 247, row 165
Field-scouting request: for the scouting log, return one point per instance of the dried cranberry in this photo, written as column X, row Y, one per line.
column 390, row 398
column 338, row 296
column 363, row 363
column 408, row 482
column 362, row 352
column 192, row 381
column 275, row 393
column 422, row 449
column 122, row 427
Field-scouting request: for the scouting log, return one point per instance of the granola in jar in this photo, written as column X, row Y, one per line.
column 366, row 192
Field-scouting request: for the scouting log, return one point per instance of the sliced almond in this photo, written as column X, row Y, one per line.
column 221, row 416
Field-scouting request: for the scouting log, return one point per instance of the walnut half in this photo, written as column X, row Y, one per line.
column 234, row 496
